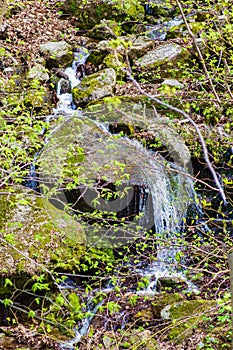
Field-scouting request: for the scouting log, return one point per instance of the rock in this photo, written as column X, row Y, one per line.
column 95, row 86
column 111, row 62
column 140, row 46
column 162, row 54
column 187, row 316
column 88, row 15
column 141, row 339
column 58, row 53
column 105, row 30
column 38, row 72
column 174, row 83
column 129, row 111
column 65, row 86
column 37, row 233
column 104, row 48
column 158, row 8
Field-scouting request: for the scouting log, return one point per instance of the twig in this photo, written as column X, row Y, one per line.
column 198, row 51
column 186, row 116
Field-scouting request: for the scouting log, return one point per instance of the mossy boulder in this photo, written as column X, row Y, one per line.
column 158, row 8
column 105, row 30
column 163, row 59
column 186, row 315
column 132, row 339
column 95, row 86
column 140, row 45
column 57, row 53
column 89, row 13
column 39, row 72
column 35, row 234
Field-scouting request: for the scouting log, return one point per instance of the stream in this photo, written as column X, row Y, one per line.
column 162, row 198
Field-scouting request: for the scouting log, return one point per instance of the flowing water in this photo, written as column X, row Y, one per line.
column 162, row 196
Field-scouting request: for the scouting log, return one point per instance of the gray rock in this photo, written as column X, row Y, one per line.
column 140, row 46
column 162, row 54
column 59, row 52
column 173, row 83
column 95, row 86
column 39, row 72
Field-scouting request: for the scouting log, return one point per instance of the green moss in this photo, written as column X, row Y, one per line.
column 186, row 316
column 164, row 300
column 35, row 232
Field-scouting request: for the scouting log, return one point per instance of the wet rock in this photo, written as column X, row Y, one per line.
column 87, row 15
column 38, row 72
column 158, row 8
column 57, row 53
column 95, row 86
column 65, row 86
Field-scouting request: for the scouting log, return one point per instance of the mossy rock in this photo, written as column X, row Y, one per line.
column 94, row 86
column 105, row 30
column 140, row 45
column 89, row 13
column 39, row 72
column 162, row 62
column 186, row 316
column 110, row 61
column 163, row 300
column 134, row 339
column 35, row 234
column 57, row 53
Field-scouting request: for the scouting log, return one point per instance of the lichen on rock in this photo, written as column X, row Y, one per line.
column 95, row 86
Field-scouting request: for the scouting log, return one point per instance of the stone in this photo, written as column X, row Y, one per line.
column 38, row 233
column 174, row 83
column 88, row 15
column 38, row 72
column 95, row 86
column 105, row 30
column 158, row 8
column 140, row 46
column 189, row 312
column 58, row 53
column 159, row 56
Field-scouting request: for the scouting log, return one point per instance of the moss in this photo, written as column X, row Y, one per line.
column 87, row 15
column 186, row 316
column 164, row 300
column 105, row 30
column 36, row 234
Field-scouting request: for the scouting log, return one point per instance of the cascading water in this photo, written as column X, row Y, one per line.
column 162, row 196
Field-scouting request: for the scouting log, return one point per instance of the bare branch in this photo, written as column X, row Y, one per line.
column 198, row 51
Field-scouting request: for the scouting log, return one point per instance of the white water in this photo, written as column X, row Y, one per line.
column 170, row 197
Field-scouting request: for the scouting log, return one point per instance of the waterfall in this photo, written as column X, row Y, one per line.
column 160, row 190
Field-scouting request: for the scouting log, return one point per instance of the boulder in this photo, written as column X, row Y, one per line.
column 105, row 30
column 160, row 55
column 57, row 53
column 34, row 233
column 185, row 317
column 88, row 14
column 158, row 8
column 38, row 72
column 140, row 46
column 163, row 60
column 95, row 86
